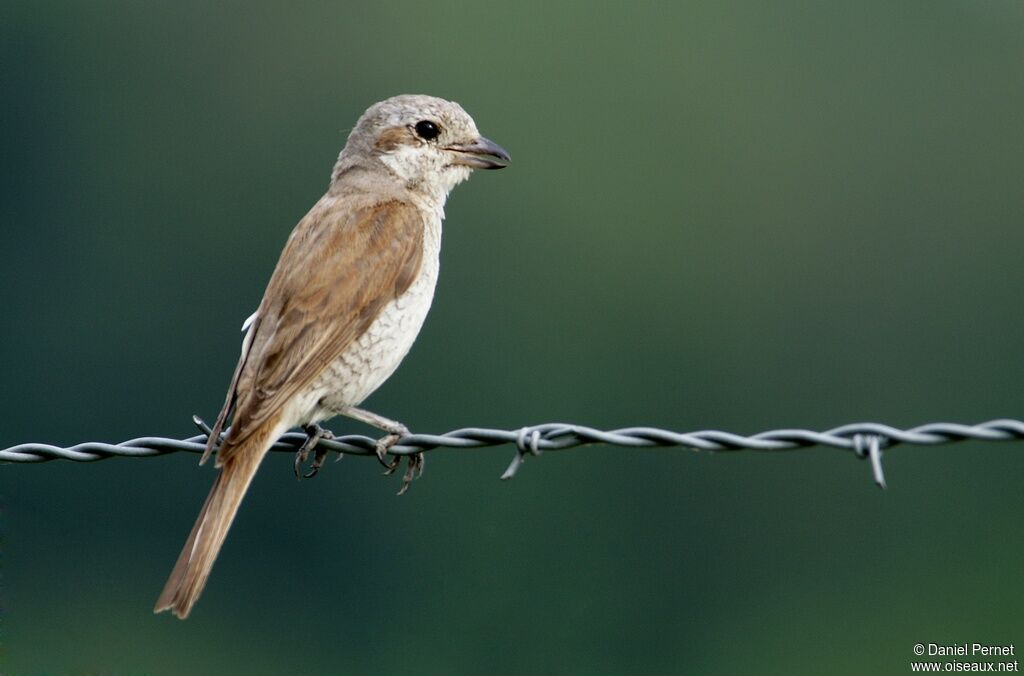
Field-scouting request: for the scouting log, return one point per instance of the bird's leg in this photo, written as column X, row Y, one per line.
column 396, row 431
column 314, row 433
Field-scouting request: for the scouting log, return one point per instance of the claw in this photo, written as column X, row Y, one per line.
column 314, row 433
column 413, row 470
column 385, row 443
column 318, row 462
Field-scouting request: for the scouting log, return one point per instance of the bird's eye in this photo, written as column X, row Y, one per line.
column 427, row 130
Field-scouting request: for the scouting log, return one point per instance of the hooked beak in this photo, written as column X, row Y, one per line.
column 480, row 154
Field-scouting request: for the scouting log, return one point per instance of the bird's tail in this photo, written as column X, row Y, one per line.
column 204, row 542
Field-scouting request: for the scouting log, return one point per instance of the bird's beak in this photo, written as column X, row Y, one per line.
column 480, row 154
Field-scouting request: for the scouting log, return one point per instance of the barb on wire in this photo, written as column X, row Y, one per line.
column 866, row 440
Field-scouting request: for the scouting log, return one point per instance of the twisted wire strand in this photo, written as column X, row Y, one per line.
column 866, row 440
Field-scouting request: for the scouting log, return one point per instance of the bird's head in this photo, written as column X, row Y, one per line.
column 427, row 144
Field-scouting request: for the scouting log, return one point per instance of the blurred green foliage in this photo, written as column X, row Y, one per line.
column 739, row 215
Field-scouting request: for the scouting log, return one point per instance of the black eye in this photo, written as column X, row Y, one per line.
column 427, row 130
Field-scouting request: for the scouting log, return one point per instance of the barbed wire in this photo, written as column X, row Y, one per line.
column 866, row 440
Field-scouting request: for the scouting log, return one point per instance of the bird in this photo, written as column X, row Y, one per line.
column 343, row 306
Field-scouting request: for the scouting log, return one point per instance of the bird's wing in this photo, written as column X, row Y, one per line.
column 339, row 269
column 250, row 326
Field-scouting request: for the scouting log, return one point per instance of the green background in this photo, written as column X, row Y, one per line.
column 731, row 215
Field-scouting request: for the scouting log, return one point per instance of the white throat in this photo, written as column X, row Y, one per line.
column 426, row 175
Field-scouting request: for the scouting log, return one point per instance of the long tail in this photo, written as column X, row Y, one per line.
column 204, row 542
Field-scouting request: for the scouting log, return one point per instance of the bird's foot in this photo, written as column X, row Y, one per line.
column 415, row 463
column 314, row 433
column 396, row 432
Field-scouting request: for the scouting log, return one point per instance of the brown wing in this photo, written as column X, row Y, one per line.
column 340, row 267
column 229, row 403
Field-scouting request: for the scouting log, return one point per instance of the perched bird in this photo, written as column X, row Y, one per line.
column 343, row 307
